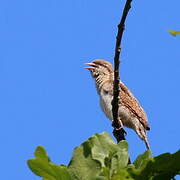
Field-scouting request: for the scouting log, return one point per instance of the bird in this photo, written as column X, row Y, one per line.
column 130, row 112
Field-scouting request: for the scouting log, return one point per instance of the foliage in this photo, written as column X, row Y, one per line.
column 99, row 158
column 174, row 33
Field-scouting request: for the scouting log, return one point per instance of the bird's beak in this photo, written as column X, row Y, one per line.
column 92, row 66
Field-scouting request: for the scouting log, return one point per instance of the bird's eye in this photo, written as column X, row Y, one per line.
column 95, row 74
column 105, row 92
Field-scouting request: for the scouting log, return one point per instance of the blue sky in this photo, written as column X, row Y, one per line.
column 47, row 98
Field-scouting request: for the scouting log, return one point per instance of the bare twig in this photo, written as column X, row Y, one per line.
column 118, row 130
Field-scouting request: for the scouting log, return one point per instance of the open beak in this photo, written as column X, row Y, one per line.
column 92, row 66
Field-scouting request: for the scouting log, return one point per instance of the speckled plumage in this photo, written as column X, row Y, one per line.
column 131, row 113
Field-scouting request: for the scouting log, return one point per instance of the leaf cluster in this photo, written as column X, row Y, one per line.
column 99, row 158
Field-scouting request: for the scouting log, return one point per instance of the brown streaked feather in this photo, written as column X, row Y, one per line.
column 128, row 100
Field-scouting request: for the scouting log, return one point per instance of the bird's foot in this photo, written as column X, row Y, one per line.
column 117, row 125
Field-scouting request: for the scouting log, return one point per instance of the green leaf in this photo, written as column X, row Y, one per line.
column 104, row 148
column 120, row 158
column 45, row 169
column 41, row 153
column 82, row 166
column 165, row 166
column 98, row 152
column 104, row 175
column 41, row 168
column 174, row 33
column 122, row 174
column 141, row 159
column 169, row 163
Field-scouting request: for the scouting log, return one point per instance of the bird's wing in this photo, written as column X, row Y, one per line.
column 127, row 99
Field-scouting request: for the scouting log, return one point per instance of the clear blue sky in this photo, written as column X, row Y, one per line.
column 47, row 98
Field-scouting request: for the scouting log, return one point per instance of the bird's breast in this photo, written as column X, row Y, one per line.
column 105, row 102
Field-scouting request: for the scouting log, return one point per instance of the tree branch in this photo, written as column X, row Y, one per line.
column 117, row 124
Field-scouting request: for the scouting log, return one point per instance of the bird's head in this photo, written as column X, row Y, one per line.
column 100, row 68
column 101, row 71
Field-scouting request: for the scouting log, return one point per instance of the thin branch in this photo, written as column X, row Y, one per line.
column 117, row 124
